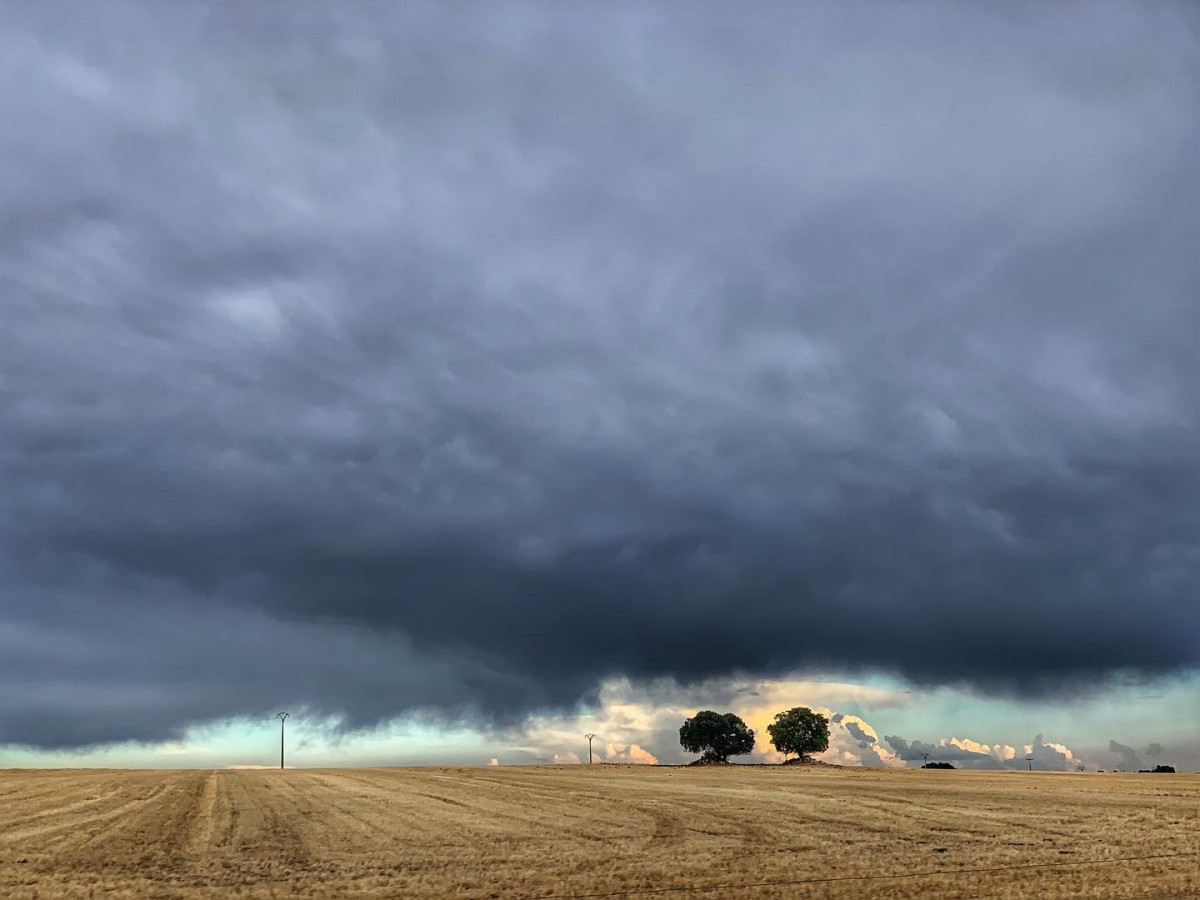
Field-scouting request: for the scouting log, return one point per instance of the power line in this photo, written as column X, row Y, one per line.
column 832, row 878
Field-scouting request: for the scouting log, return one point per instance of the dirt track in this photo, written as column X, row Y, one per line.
column 528, row 832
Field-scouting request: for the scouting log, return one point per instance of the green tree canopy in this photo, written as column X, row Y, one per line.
column 801, row 731
column 717, row 735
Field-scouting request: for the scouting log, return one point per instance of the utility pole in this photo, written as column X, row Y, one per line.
column 282, row 717
column 589, row 737
column 1029, row 759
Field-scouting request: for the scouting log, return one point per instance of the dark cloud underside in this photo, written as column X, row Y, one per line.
column 452, row 358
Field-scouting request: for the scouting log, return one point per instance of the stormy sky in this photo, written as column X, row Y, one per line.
column 453, row 359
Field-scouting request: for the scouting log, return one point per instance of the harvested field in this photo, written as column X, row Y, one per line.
column 537, row 831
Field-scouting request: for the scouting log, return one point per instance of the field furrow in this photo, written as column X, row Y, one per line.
column 561, row 831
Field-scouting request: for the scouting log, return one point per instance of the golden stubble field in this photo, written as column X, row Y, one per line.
column 515, row 832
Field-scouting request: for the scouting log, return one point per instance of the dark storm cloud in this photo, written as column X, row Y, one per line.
column 407, row 357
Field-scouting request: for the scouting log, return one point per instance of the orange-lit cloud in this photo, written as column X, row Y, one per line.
column 998, row 752
column 630, row 717
column 631, row 753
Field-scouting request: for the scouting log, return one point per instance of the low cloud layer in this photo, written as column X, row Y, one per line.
column 640, row 723
column 1039, row 754
column 372, row 360
column 960, row 751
